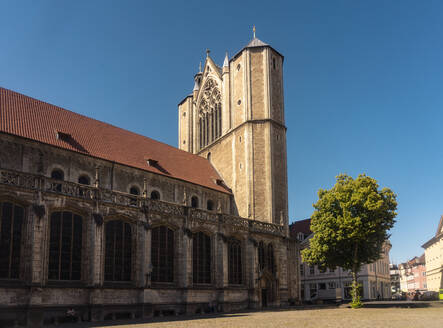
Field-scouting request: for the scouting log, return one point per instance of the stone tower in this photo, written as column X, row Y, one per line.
column 235, row 118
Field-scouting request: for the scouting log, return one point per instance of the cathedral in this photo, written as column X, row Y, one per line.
column 99, row 223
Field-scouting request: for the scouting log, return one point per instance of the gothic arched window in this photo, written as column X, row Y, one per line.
column 234, row 262
column 162, row 254
column 261, row 255
column 11, row 225
column 65, row 246
column 270, row 258
column 201, row 258
column 118, row 251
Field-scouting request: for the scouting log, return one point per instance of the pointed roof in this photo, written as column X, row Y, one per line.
column 36, row 120
column 255, row 42
column 226, row 61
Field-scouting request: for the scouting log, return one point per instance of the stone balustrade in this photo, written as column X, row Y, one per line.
column 34, row 182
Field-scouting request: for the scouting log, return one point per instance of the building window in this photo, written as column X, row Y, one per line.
column 65, row 246
column 118, row 251
column 162, row 254
column 331, row 285
column 210, row 205
column 155, row 195
column 194, row 202
column 11, row 225
column 234, row 262
column 313, row 290
column 134, row 190
column 261, row 255
column 201, row 258
column 311, row 270
column 302, row 270
column 57, row 174
column 83, row 179
column 322, row 286
column 270, row 258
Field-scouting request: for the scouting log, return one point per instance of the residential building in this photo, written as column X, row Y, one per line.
column 102, row 223
column 317, row 283
column 394, row 273
column 434, row 260
column 413, row 275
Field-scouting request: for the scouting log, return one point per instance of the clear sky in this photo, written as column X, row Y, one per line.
column 363, row 82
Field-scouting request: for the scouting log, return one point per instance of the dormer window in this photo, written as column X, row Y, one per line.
column 152, row 162
column 63, row 136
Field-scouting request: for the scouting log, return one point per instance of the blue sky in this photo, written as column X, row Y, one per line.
column 363, row 82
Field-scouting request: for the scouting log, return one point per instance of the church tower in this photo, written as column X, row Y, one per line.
column 235, row 118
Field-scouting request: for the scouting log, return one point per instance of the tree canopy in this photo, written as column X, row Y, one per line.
column 350, row 223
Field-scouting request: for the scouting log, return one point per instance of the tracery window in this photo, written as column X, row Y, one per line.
column 118, row 251
column 201, row 258
column 234, row 262
column 162, row 254
column 11, row 225
column 65, row 246
column 210, row 121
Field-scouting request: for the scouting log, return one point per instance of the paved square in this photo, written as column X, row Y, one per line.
column 315, row 318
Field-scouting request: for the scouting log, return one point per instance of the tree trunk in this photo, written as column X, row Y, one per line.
column 355, row 288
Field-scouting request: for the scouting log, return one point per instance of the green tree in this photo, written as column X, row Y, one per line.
column 350, row 225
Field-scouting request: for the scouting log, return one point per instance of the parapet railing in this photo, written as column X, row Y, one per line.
column 41, row 183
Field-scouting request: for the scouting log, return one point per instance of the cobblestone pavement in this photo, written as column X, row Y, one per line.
column 330, row 318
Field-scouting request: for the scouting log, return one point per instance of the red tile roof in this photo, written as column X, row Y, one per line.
column 300, row 226
column 36, row 120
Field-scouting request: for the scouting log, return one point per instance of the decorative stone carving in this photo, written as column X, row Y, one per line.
column 98, row 218
column 187, row 232
column 222, row 237
column 210, row 98
column 39, row 210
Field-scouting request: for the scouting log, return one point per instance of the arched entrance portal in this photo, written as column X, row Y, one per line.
column 267, row 291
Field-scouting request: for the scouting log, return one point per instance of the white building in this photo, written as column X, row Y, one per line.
column 434, row 260
column 325, row 284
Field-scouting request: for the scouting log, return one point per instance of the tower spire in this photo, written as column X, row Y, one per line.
column 226, row 61
column 253, row 31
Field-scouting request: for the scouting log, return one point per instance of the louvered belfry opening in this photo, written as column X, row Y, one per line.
column 201, row 258
column 118, row 251
column 162, row 254
column 65, row 246
column 235, row 272
column 11, row 225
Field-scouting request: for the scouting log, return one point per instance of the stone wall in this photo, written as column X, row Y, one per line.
column 33, row 299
